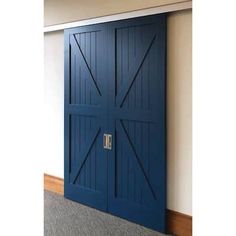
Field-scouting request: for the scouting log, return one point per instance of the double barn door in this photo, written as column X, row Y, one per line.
column 115, row 156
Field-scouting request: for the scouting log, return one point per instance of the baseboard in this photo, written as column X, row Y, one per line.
column 178, row 224
column 54, row 184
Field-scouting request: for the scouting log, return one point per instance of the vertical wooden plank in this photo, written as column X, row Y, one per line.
column 90, row 64
column 75, row 129
column 96, row 167
column 75, row 88
column 83, row 139
column 83, row 71
column 80, row 72
column 85, row 89
column 131, row 132
column 127, row 167
column 136, row 182
column 87, row 77
column 138, row 89
column 92, row 51
column 153, row 82
column 92, row 167
column 72, row 80
column 113, row 73
column 132, row 92
column 145, row 140
column 125, row 66
column 79, row 145
column 118, row 64
column 125, row 171
column 125, row 48
column 78, row 78
column 131, row 179
column 149, row 61
column 148, row 149
column 145, row 87
column 79, row 84
column 137, row 82
column 138, row 146
column 96, row 57
column 72, row 142
column 101, row 166
column 153, row 151
column 87, row 164
column 122, row 167
column 131, row 57
column 122, row 58
column 87, row 102
column 118, row 157
column 88, row 82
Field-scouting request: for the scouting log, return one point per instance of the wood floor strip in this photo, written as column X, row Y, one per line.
column 54, row 184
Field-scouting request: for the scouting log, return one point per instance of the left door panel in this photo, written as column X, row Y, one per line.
column 85, row 111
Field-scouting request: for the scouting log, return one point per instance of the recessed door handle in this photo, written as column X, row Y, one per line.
column 107, row 141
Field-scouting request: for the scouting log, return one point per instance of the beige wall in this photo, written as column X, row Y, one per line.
column 61, row 11
column 179, row 117
column 179, row 111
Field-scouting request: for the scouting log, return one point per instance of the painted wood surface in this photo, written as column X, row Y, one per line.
column 85, row 116
column 115, row 83
column 137, row 164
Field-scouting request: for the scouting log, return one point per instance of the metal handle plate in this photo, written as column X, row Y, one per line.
column 107, row 141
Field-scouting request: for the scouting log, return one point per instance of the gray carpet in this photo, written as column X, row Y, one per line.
column 63, row 217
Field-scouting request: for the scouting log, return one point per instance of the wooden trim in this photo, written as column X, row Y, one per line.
column 121, row 16
column 178, row 224
column 54, row 184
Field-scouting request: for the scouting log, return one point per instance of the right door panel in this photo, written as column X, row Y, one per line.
column 136, row 114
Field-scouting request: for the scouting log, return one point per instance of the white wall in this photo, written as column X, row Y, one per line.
column 54, row 100
column 179, row 120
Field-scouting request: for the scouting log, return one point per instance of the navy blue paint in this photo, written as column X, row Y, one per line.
column 115, row 82
column 85, row 115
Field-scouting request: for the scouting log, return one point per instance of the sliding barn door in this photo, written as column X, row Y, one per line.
column 115, row 98
column 85, row 115
column 137, row 163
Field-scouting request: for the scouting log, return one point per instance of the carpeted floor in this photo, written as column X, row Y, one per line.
column 67, row 218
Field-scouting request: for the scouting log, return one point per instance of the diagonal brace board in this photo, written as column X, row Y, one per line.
column 84, row 154
column 125, row 89
column 126, row 135
column 76, row 45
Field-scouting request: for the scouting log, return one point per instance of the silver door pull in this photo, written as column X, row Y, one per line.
column 107, row 141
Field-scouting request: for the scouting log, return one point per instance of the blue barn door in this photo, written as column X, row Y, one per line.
column 115, row 91
column 137, row 163
column 85, row 115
